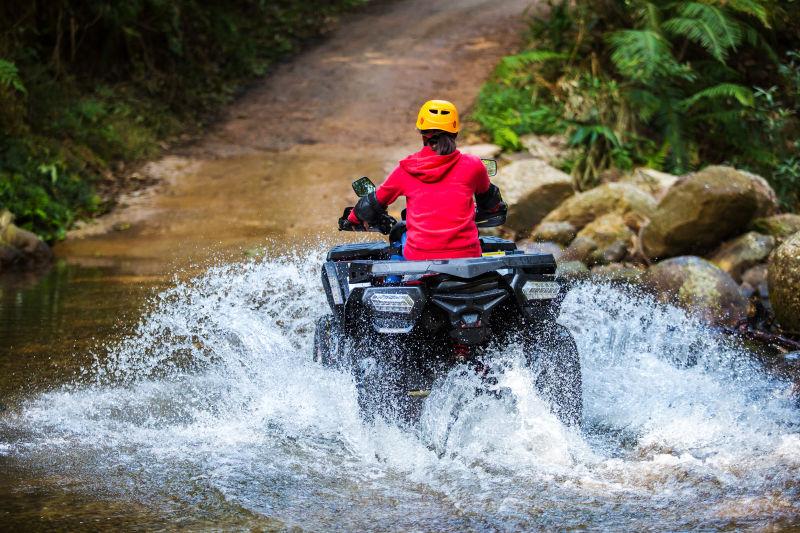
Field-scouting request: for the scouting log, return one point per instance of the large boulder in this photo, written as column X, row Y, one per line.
column 531, row 188
column 699, row 287
column 653, row 181
column 705, row 208
column 621, row 198
column 20, row 248
column 604, row 240
column 778, row 226
column 743, row 252
column 784, row 283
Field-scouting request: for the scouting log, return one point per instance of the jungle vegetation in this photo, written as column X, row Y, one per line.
column 674, row 85
column 85, row 84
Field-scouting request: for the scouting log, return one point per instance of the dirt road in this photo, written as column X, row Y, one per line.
column 279, row 162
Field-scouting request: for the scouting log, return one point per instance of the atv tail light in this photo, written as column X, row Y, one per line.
column 387, row 302
column 541, row 290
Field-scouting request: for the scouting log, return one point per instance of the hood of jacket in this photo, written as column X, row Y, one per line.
column 428, row 166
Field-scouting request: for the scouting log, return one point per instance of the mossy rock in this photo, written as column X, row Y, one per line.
column 618, row 273
column 699, row 287
column 559, row 232
column 743, row 252
column 571, row 271
column 784, row 283
column 778, row 226
column 620, row 198
column 704, row 209
column 611, row 236
column 20, row 248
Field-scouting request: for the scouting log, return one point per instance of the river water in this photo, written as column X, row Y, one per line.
column 201, row 408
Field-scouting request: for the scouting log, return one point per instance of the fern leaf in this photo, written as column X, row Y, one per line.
column 721, row 91
column 708, row 26
column 754, row 8
column 531, row 56
column 9, row 76
column 641, row 54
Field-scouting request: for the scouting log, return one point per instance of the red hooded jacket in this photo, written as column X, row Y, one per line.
column 440, row 205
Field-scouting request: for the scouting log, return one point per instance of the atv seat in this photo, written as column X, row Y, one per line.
column 375, row 251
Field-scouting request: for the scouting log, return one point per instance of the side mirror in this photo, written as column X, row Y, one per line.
column 491, row 166
column 363, row 186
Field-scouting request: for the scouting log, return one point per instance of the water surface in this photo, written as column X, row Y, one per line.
column 209, row 411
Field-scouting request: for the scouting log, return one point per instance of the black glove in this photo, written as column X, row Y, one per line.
column 490, row 201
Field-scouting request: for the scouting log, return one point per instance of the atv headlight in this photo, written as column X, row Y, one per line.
column 541, row 290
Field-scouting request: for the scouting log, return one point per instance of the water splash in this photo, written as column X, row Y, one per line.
column 213, row 407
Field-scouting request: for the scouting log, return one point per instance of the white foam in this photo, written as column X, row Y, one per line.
column 216, row 387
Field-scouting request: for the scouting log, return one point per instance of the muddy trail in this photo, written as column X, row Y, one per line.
column 277, row 166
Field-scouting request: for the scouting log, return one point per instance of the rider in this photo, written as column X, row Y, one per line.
column 439, row 183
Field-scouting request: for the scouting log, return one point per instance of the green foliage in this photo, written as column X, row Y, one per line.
column 675, row 85
column 42, row 191
column 9, row 77
column 84, row 83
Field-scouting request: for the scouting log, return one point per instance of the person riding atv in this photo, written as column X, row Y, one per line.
column 438, row 297
column 439, row 183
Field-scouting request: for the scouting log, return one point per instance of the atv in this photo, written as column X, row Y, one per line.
column 399, row 325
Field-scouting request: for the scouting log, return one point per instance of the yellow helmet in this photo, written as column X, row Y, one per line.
column 438, row 115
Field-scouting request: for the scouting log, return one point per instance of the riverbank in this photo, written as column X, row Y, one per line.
column 76, row 123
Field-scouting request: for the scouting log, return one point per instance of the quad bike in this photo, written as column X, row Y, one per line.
column 399, row 325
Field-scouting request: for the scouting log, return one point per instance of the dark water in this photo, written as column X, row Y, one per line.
column 138, row 403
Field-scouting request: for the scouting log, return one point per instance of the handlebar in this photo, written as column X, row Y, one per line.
column 483, row 219
column 384, row 225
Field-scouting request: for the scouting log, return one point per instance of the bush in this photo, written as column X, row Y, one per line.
column 84, row 83
column 676, row 85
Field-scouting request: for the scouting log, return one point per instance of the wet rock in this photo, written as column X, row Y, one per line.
column 705, row 208
column 548, row 148
column 778, row 226
column 784, row 283
column 533, row 247
column 756, row 278
column 484, row 151
column 20, row 248
column 612, row 239
column 571, row 271
column 579, row 250
column 618, row 273
column 743, row 252
column 560, row 232
column 531, row 188
column 699, row 287
column 653, row 181
column 621, row 198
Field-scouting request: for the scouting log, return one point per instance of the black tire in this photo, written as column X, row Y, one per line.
column 329, row 342
column 381, row 371
column 552, row 352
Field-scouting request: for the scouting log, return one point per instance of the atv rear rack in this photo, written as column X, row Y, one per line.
column 360, row 271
